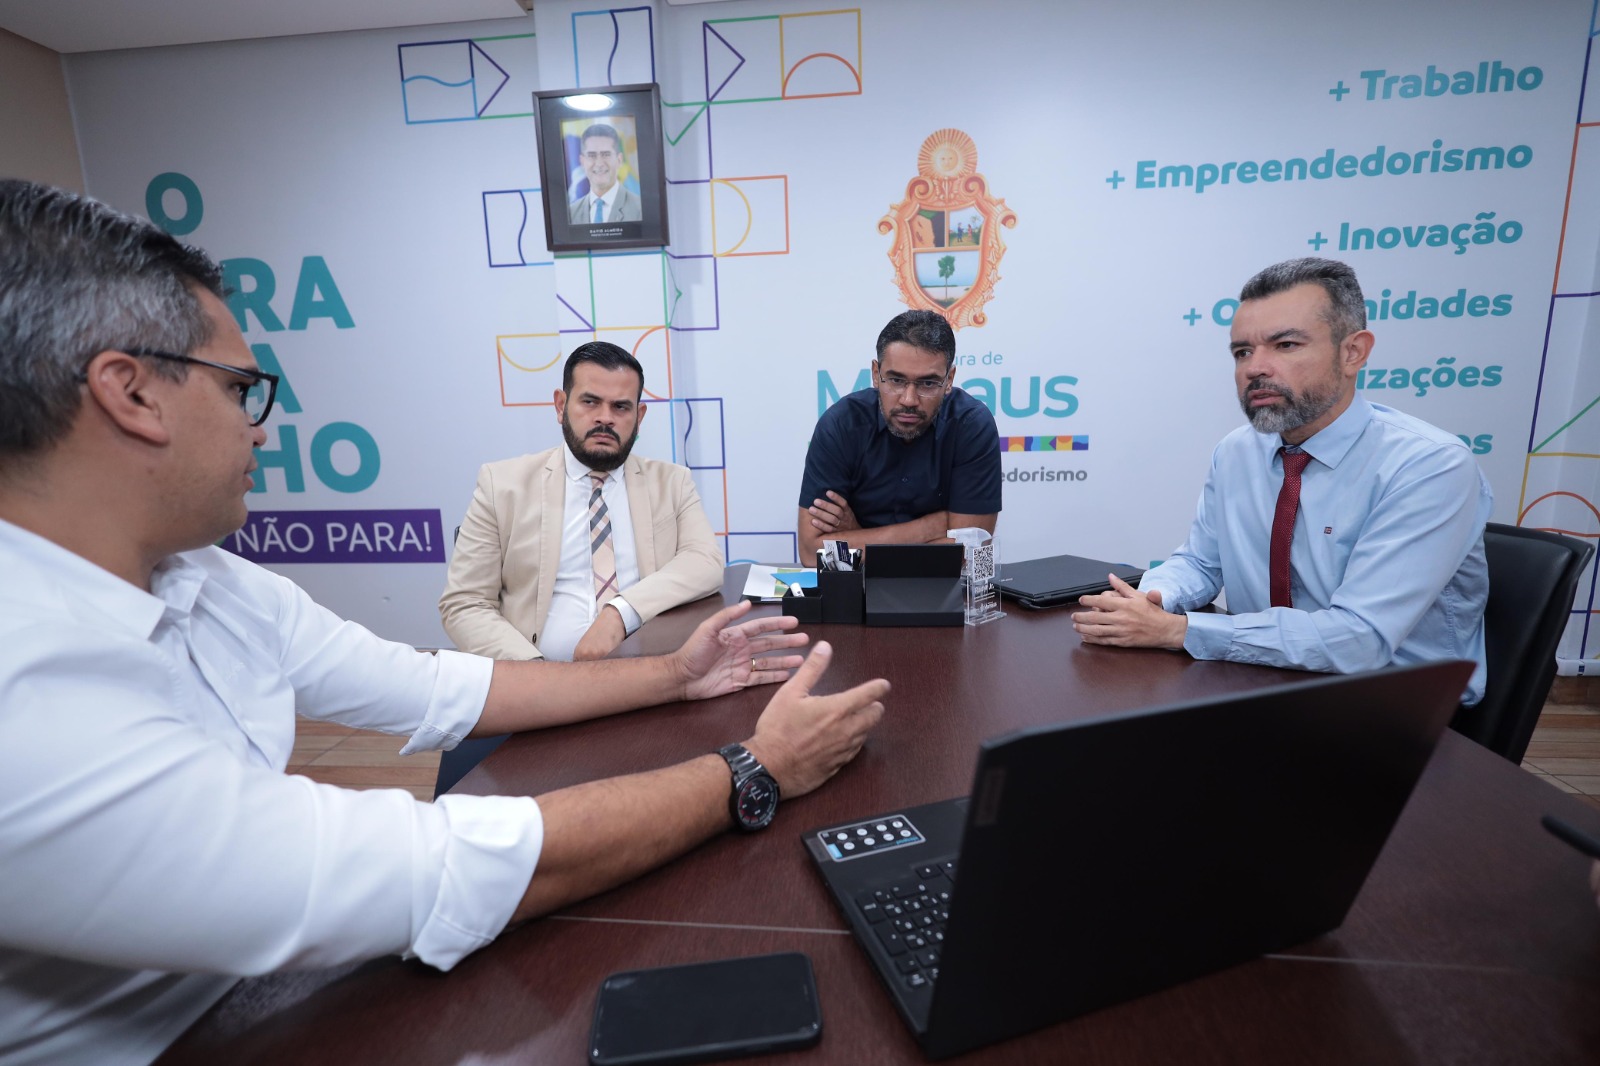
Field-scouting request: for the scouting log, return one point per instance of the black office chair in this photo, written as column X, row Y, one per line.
column 1533, row 576
column 459, row 761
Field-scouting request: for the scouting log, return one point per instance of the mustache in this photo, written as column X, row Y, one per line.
column 601, row 431
column 1257, row 385
column 907, row 411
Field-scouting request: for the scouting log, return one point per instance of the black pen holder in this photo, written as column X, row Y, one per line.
column 807, row 607
column 843, row 598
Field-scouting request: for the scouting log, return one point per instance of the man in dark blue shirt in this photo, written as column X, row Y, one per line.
column 904, row 461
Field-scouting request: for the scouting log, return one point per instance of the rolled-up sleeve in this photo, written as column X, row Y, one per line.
column 130, row 839
column 491, row 846
column 342, row 672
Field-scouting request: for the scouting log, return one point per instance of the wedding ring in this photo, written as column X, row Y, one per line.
column 752, row 664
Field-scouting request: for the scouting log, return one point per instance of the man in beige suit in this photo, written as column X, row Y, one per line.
column 523, row 581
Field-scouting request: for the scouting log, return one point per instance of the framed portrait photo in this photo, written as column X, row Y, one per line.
column 601, row 167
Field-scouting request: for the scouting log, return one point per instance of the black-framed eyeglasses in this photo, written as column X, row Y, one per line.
column 255, row 399
column 895, row 385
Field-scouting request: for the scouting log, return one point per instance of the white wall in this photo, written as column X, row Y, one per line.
column 36, row 137
column 316, row 147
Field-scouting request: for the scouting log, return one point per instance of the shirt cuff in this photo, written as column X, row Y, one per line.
column 1209, row 636
column 490, row 849
column 460, row 689
column 630, row 617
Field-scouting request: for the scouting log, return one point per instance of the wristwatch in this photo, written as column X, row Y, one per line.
column 755, row 794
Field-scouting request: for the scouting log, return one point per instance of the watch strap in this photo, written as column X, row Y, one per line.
column 740, row 761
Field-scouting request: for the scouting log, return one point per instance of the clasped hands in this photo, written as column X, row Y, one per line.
column 832, row 515
column 1128, row 618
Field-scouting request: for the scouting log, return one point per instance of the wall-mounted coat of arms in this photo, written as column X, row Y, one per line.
column 947, row 245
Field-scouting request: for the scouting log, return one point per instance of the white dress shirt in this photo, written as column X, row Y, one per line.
column 573, row 608
column 152, row 848
column 608, row 199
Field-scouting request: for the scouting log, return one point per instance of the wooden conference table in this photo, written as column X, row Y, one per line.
column 1475, row 939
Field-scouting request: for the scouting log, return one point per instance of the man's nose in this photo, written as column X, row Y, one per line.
column 1256, row 365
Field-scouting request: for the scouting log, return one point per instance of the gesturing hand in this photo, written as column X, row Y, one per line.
column 719, row 658
column 803, row 739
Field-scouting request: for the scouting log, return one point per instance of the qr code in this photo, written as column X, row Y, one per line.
column 980, row 563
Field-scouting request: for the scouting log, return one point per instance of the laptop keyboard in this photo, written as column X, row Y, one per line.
column 908, row 915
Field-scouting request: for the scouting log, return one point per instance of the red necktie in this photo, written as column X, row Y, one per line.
column 1294, row 463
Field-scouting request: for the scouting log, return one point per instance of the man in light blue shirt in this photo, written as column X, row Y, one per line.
column 1385, row 564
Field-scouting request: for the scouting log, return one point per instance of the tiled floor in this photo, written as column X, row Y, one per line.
column 1565, row 751
column 354, row 758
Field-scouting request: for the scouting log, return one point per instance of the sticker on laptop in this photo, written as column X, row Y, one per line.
column 870, row 837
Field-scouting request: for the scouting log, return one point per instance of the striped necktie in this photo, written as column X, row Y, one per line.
column 599, row 210
column 605, row 555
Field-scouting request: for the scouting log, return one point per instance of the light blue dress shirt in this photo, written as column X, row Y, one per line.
column 1387, row 563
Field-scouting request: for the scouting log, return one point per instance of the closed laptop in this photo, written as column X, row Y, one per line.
column 1060, row 579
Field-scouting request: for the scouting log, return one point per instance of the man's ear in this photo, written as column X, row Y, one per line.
column 560, row 399
column 643, row 409
column 127, row 392
column 1354, row 349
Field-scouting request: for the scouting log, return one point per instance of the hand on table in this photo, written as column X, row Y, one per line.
column 1127, row 618
column 803, row 739
column 602, row 637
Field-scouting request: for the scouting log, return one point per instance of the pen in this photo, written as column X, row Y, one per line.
column 1576, row 837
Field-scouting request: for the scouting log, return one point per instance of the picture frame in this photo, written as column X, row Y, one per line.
column 607, row 139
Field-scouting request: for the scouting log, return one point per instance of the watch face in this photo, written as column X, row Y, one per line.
column 758, row 800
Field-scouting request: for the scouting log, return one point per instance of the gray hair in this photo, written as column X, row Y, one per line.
column 1347, row 309
column 600, row 129
column 78, row 278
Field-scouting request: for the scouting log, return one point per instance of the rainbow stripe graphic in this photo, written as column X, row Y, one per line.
column 1075, row 443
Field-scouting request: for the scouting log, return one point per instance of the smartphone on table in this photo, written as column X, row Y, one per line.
column 706, row 1011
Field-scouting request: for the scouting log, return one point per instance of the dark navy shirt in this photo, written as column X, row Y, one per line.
column 953, row 466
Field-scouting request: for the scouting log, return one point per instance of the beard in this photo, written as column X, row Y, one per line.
column 907, row 433
column 914, row 431
column 1297, row 409
column 603, row 462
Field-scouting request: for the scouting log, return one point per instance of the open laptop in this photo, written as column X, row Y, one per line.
column 1059, row 579
column 1101, row 860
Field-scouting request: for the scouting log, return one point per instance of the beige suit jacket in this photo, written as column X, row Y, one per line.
column 503, row 572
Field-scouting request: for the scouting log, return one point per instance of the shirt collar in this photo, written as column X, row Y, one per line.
column 1330, row 444
column 93, row 594
column 580, row 473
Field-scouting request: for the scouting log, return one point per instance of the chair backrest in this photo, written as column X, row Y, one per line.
column 1533, row 576
column 459, row 761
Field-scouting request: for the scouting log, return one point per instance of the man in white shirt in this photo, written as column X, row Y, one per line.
column 566, row 552
column 153, row 850
column 608, row 200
